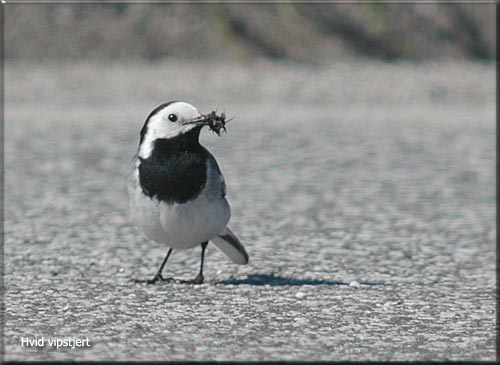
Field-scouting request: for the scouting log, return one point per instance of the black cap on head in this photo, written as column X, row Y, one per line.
column 153, row 112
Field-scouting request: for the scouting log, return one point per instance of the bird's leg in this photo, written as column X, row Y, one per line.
column 158, row 276
column 199, row 278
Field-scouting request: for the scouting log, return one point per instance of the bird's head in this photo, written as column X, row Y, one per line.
column 170, row 120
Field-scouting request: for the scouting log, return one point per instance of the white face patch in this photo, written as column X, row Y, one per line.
column 168, row 123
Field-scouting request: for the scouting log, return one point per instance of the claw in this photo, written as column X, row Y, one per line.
column 197, row 280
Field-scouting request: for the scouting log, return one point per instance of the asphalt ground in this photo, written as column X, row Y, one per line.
column 364, row 193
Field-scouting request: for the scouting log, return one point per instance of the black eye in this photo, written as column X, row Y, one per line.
column 172, row 118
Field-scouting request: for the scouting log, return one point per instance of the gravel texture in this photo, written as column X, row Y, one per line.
column 364, row 193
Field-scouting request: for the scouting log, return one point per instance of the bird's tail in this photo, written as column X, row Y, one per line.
column 228, row 243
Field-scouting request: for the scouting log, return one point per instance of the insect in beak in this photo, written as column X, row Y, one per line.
column 217, row 123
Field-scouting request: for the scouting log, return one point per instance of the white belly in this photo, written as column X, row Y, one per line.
column 188, row 225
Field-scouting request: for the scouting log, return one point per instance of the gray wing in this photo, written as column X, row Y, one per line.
column 213, row 162
column 227, row 241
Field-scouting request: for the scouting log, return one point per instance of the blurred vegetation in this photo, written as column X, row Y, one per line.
column 300, row 32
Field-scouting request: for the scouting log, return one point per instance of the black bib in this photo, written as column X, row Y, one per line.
column 176, row 170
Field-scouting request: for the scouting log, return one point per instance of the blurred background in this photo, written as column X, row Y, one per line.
column 360, row 167
column 301, row 32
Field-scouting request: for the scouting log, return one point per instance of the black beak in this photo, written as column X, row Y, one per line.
column 202, row 120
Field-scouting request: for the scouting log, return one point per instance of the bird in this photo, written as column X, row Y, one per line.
column 177, row 193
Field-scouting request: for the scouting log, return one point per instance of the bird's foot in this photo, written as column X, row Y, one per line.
column 156, row 278
column 197, row 280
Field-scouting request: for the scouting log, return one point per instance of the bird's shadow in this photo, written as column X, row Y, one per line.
column 276, row 280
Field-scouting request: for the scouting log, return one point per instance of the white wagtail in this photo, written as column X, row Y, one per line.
column 176, row 190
